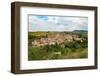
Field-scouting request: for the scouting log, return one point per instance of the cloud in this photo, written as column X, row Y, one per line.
column 56, row 23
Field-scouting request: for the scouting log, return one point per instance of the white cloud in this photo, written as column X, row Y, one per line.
column 58, row 23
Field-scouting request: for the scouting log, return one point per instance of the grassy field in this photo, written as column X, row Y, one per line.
column 72, row 47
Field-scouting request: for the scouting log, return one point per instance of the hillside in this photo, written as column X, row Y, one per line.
column 57, row 45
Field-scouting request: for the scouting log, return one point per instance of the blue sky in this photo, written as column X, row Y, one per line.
column 42, row 17
column 57, row 23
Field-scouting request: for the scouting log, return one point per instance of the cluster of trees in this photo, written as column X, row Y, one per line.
column 67, row 50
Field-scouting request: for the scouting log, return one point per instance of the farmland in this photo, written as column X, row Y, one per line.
column 57, row 45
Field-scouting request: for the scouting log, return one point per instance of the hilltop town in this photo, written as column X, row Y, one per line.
column 55, row 38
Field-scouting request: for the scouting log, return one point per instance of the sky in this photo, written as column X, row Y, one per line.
column 56, row 23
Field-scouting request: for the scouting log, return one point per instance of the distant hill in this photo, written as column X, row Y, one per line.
column 80, row 31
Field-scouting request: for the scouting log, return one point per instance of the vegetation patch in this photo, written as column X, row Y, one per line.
column 57, row 45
